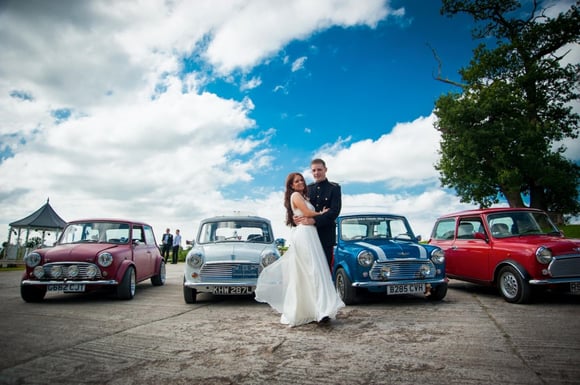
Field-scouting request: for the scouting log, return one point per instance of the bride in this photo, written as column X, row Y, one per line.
column 299, row 285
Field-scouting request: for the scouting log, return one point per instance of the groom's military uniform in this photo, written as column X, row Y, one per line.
column 322, row 195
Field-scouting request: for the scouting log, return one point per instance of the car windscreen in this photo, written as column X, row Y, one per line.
column 374, row 227
column 103, row 232
column 235, row 231
column 507, row 224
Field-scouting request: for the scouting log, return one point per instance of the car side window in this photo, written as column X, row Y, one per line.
column 149, row 235
column 444, row 229
column 138, row 234
column 468, row 227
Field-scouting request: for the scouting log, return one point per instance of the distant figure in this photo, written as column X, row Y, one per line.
column 166, row 245
column 176, row 246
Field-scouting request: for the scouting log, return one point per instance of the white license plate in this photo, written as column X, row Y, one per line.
column 232, row 290
column 406, row 289
column 575, row 287
column 67, row 287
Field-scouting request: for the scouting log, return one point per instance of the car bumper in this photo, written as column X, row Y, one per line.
column 553, row 281
column 369, row 284
column 110, row 282
column 209, row 287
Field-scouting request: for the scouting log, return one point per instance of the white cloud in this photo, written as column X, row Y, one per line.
column 141, row 141
column 298, row 64
column 403, row 157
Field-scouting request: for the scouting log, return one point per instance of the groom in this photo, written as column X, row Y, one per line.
column 322, row 194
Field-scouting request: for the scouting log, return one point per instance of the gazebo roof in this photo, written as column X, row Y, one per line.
column 43, row 218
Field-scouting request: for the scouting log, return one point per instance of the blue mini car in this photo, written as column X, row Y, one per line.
column 379, row 253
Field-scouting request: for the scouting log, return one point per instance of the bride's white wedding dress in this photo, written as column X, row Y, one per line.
column 299, row 284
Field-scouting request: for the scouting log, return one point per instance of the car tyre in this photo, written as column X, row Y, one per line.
column 512, row 286
column 32, row 294
column 126, row 289
column 344, row 287
column 159, row 279
column 438, row 292
column 189, row 294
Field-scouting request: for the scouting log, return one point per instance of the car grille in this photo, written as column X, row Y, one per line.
column 562, row 267
column 402, row 270
column 225, row 272
column 82, row 274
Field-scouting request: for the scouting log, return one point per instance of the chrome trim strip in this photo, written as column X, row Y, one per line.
column 44, row 283
column 550, row 281
column 391, row 283
column 217, row 284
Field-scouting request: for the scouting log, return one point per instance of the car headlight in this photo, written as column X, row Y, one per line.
column 268, row 258
column 195, row 259
column 544, row 255
column 38, row 272
column 56, row 271
column 91, row 271
column 72, row 271
column 438, row 256
column 425, row 270
column 386, row 272
column 105, row 259
column 32, row 259
column 365, row 258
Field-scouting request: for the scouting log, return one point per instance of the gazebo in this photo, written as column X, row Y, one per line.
column 44, row 219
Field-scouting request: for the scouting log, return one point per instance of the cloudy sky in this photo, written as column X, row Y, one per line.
column 169, row 111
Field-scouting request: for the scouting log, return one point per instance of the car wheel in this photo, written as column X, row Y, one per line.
column 344, row 287
column 512, row 286
column 438, row 292
column 32, row 294
column 126, row 289
column 189, row 294
column 159, row 279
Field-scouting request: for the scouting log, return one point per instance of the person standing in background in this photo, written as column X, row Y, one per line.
column 166, row 244
column 176, row 246
column 323, row 194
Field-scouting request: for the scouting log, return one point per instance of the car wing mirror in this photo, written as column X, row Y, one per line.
column 479, row 235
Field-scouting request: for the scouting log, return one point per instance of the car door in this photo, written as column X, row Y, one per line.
column 142, row 255
column 468, row 256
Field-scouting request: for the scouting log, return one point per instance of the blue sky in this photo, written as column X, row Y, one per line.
column 170, row 112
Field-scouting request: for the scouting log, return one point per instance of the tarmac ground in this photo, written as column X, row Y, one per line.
column 471, row 337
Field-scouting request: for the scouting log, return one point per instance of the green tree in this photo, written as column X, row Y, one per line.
column 502, row 133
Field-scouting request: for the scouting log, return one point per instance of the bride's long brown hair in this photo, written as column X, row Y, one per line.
column 288, row 192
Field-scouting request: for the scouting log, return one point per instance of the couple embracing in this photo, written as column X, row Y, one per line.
column 299, row 285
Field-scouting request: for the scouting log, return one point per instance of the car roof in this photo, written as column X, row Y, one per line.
column 235, row 218
column 488, row 211
column 116, row 220
column 370, row 214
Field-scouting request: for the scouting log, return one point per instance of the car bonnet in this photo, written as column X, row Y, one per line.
column 387, row 250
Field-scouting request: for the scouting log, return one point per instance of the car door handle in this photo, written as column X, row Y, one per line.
column 454, row 247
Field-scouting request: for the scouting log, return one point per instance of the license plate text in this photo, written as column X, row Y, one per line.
column 405, row 289
column 67, row 287
column 232, row 290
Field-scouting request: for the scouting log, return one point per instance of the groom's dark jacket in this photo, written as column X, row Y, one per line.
column 326, row 194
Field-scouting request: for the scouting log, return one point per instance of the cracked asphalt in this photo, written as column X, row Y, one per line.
column 472, row 337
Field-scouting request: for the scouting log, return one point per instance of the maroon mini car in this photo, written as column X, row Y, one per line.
column 94, row 254
column 514, row 249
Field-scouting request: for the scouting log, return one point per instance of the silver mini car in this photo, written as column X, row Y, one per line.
column 228, row 255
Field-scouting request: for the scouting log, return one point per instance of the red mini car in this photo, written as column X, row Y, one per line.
column 92, row 254
column 514, row 249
